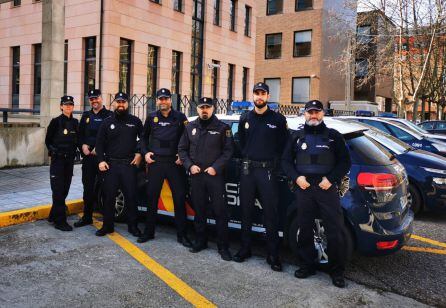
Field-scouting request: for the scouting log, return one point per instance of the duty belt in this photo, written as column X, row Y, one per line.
column 260, row 164
column 63, row 155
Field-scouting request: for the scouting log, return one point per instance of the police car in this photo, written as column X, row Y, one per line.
column 426, row 171
column 405, row 134
column 377, row 214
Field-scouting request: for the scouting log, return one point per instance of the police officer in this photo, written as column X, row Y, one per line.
column 317, row 158
column 88, row 129
column 262, row 134
column 159, row 145
column 118, row 151
column 205, row 148
column 61, row 141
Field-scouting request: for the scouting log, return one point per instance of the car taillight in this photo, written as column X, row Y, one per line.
column 386, row 245
column 380, row 185
column 377, row 181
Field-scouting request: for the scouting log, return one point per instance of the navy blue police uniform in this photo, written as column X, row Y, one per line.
column 262, row 139
column 208, row 143
column 160, row 137
column 61, row 141
column 117, row 143
column 316, row 152
column 88, row 130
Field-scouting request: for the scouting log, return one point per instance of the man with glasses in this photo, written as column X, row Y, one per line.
column 159, row 145
column 88, row 129
column 118, row 151
column 205, row 148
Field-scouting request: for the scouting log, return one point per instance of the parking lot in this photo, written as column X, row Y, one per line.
column 44, row 267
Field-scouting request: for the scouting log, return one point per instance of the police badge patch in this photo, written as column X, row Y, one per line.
column 65, row 131
column 87, row 120
column 155, row 120
column 246, row 125
column 112, row 126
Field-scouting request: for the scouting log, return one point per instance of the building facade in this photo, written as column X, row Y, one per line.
column 295, row 45
column 196, row 48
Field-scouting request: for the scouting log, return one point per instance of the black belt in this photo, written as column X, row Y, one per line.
column 63, row 155
column 260, row 164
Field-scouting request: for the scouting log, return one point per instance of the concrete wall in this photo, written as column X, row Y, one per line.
column 21, row 146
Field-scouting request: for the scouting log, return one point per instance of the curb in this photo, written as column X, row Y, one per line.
column 36, row 213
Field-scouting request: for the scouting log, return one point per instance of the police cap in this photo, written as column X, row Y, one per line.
column 67, row 100
column 261, row 86
column 205, row 101
column 314, row 105
column 94, row 93
column 163, row 92
column 121, row 96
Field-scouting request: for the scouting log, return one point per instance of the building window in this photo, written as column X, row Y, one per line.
column 302, row 5
column 302, row 43
column 361, row 68
column 65, row 68
column 15, row 76
column 90, row 68
column 17, row 2
column 233, row 14
column 273, row 46
column 363, row 34
column 217, row 12
column 156, row 1
column 125, row 52
column 176, row 72
column 245, row 81
column 152, row 70
column 214, row 78
column 274, row 89
column 301, row 90
column 178, row 5
column 197, row 49
column 231, row 70
column 274, row 7
column 247, row 20
column 37, row 76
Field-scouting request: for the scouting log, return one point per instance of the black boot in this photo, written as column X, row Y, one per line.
column 225, row 254
column 275, row 263
column 104, row 231
column 133, row 230
column 84, row 221
column 198, row 246
column 184, row 240
column 63, row 226
column 242, row 255
column 146, row 236
column 304, row 272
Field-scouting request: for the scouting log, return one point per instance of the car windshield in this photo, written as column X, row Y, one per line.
column 412, row 126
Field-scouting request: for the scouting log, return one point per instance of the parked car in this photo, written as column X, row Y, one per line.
column 415, row 127
column 405, row 134
column 426, row 171
column 376, row 207
column 434, row 127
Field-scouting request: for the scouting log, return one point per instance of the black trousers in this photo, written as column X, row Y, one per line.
column 90, row 172
column 176, row 176
column 310, row 202
column 203, row 188
column 61, row 173
column 120, row 176
column 260, row 182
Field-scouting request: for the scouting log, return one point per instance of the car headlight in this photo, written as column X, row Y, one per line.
column 439, row 181
column 441, row 147
column 432, row 170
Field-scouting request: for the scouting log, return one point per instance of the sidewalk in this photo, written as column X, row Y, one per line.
column 25, row 187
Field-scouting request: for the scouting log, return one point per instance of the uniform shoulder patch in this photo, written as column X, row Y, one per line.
column 186, row 122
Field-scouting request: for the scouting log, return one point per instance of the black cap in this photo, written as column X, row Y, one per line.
column 121, row 96
column 94, row 93
column 205, row 101
column 163, row 92
column 261, row 86
column 67, row 100
column 314, row 105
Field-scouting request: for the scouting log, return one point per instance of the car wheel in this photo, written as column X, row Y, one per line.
column 320, row 241
column 415, row 199
column 120, row 208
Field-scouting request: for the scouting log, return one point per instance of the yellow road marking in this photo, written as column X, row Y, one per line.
column 35, row 213
column 423, row 249
column 428, row 240
column 179, row 286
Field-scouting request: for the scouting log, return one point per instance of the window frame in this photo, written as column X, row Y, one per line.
column 233, row 15
column 152, row 69
column 280, row 85
column 266, row 45
column 268, row 6
column 296, row 8
column 176, row 71
column 15, row 86
column 37, row 77
column 292, row 89
column 128, row 63
column 294, row 43
column 248, row 17
column 87, row 61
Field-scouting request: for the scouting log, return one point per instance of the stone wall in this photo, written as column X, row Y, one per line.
column 21, row 145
